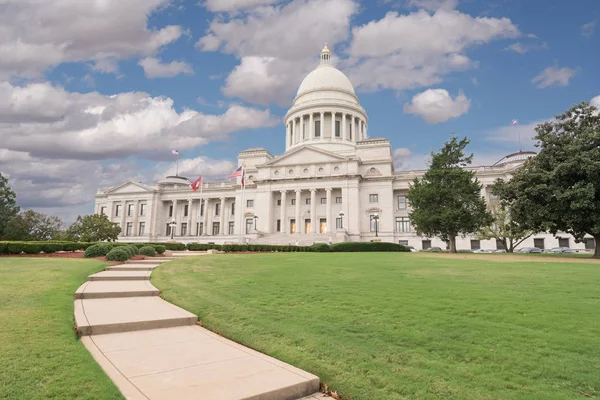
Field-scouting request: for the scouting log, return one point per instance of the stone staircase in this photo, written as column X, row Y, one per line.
column 153, row 349
column 302, row 239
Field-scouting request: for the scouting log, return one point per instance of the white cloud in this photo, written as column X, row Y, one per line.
column 36, row 35
column 153, row 68
column 277, row 45
column 408, row 51
column 436, row 106
column 596, row 102
column 47, row 121
column 554, row 76
column 587, row 30
column 106, row 66
column 200, row 166
column 433, row 5
column 522, row 48
column 234, row 5
column 513, row 135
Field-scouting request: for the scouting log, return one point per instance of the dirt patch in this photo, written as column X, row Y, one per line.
column 510, row 257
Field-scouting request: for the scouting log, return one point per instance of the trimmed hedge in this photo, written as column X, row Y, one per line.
column 118, row 254
column 320, row 247
column 148, row 251
column 367, row 246
column 15, row 247
column 97, row 250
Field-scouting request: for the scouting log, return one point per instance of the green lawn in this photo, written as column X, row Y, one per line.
column 407, row 326
column 40, row 356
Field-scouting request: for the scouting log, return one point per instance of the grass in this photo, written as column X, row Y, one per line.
column 40, row 356
column 406, row 325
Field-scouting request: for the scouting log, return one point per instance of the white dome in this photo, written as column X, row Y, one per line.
column 325, row 76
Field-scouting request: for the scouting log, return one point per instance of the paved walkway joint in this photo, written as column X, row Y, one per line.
column 154, row 350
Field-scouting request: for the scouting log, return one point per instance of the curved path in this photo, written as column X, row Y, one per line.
column 153, row 349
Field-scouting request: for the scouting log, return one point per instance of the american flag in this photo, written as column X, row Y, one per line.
column 175, row 152
column 513, row 122
column 237, row 172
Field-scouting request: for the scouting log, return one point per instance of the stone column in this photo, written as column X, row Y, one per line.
column 302, row 134
column 222, row 217
column 174, row 218
column 344, row 128
column 123, row 215
column 333, row 124
column 284, row 228
column 313, row 210
column 295, row 137
column 189, row 218
column 328, row 213
column 356, row 136
column 288, row 141
column 297, row 216
column 322, row 125
column 205, row 219
column 199, row 216
column 136, row 222
column 311, row 128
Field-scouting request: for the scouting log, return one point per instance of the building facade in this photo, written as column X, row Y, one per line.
column 332, row 183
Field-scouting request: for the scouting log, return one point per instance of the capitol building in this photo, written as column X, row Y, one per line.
column 333, row 183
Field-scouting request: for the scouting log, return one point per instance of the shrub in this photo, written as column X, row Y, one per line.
column 148, row 251
column 135, row 249
column 317, row 247
column 175, row 246
column 129, row 250
column 32, row 248
column 118, row 254
column 97, row 250
column 160, row 249
column 2, row 247
column 367, row 247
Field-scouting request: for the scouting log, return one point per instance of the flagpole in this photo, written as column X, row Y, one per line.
column 177, row 165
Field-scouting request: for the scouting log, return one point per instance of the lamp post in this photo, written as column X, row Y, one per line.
column 376, row 219
column 341, row 215
column 172, row 225
column 255, row 218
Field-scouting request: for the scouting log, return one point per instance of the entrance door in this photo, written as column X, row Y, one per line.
column 292, row 226
column 323, row 225
column 307, row 226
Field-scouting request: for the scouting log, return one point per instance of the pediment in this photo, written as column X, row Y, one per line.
column 129, row 187
column 306, row 155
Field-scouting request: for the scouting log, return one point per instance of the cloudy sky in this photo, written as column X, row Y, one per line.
column 93, row 93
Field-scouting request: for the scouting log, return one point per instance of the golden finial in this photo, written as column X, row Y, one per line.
column 325, row 49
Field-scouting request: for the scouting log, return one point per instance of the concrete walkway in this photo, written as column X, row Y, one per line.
column 153, row 349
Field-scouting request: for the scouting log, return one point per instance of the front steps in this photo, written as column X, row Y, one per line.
column 153, row 350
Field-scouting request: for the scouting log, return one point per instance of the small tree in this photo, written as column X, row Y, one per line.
column 559, row 189
column 93, row 228
column 447, row 201
column 504, row 228
column 8, row 204
column 31, row 225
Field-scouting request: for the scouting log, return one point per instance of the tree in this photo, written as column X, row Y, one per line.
column 31, row 225
column 504, row 228
column 447, row 201
column 8, row 204
column 93, row 228
column 559, row 189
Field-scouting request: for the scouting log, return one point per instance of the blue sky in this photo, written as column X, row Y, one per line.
column 100, row 94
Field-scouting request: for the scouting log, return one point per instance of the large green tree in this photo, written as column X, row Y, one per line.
column 447, row 201
column 559, row 189
column 504, row 227
column 93, row 228
column 8, row 204
column 31, row 225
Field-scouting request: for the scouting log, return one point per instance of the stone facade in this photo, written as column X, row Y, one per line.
column 333, row 183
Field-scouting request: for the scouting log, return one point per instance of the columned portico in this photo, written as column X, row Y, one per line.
column 313, row 210
column 205, row 222
column 298, row 216
column 284, row 223
column 189, row 219
column 328, row 208
column 222, row 217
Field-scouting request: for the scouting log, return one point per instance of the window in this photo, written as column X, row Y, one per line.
column 278, row 225
column 215, row 228
column 401, row 202
column 130, row 210
column 308, row 201
column 168, row 232
column 249, row 225
column 129, row 229
column 539, row 243
column 142, row 229
column 337, row 128
column 339, row 223
column 186, row 210
column 233, row 208
column 374, row 223
column 183, row 229
column 323, row 200
column 118, row 210
column 217, row 209
column 373, row 198
column 279, row 202
column 338, row 200
column 170, row 211
column 402, row 224
column 317, row 128
column 475, row 244
column 143, row 209
column 426, row 244
column 231, row 227
column 293, row 202
column 102, row 210
column 563, row 242
column 403, row 242
column 350, row 130
column 202, row 207
column 249, row 203
column 590, row 244
column 199, row 228
column 500, row 245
